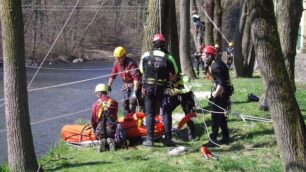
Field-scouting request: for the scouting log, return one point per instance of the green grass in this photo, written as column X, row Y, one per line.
column 252, row 148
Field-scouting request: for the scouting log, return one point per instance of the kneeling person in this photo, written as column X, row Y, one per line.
column 180, row 94
column 104, row 118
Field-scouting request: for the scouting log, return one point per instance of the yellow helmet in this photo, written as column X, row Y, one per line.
column 216, row 45
column 100, row 87
column 230, row 44
column 119, row 52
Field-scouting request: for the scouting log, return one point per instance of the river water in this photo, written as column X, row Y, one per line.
column 49, row 103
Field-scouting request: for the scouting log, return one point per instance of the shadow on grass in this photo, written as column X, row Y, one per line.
column 259, row 133
column 240, row 102
column 264, row 144
column 74, row 165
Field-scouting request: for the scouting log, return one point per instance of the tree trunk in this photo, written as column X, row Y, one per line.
column 288, row 17
column 244, row 51
column 21, row 154
column 152, row 26
column 218, row 13
column 288, row 123
column 209, row 9
column 35, row 26
column 186, row 63
column 174, row 40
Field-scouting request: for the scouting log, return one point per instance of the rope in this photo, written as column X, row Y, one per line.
column 208, row 132
column 80, row 81
column 243, row 117
column 214, row 25
column 89, row 24
column 67, row 69
column 70, row 83
column 50, row 119
column 53, row 44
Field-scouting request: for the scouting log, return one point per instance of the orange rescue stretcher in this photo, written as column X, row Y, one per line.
column 132, row 124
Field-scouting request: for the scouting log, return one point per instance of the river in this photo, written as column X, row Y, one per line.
column 50, row 103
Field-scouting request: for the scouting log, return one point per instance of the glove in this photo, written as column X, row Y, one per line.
column 174, row 92
column 109, row 89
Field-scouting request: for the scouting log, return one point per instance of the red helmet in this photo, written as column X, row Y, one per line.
column 159, row 37
column 209, row 50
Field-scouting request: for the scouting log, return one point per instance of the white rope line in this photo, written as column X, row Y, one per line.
column 50, row 119
column 80, row 81
column 67, row 69
column 209, row 111
column 89, row 24
column 53, row 44
column 214, row 25
column 243, row 117
column 239, row 115
column 70, row 83
column 251, row 118
column 208, row 132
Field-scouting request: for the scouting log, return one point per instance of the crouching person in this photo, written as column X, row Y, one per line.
column 181, row 94
column 104, row 118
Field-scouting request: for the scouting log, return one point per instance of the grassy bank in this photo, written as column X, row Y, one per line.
column 252, row 147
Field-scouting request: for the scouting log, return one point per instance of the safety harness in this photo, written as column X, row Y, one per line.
column 156, row 64
column 103, row 107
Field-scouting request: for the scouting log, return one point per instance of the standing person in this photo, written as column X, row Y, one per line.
column 104, row 118
column 181, row 94
column 200, row 26
column 131, row 77
column 229, row 54
column 198, row 61
column 158, row 68
column 220, row 96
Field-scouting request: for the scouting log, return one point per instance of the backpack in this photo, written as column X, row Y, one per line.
column 120, row 137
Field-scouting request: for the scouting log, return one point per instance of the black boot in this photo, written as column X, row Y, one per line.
column 168, row 142
column 225, row 140
column 212, row 142
column 191, row 131
column 103, row 145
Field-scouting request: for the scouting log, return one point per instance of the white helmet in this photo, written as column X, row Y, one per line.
column 100, row 87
